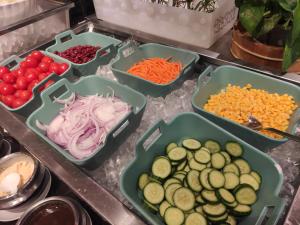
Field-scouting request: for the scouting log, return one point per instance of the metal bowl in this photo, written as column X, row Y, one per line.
column 28, row 188
column 80, row 216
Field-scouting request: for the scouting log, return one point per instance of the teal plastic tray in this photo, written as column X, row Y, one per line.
column 90, row 85
column 192, row 125
column 26, row 109
column 68, row 39
column 213, row 81
column 130, row 54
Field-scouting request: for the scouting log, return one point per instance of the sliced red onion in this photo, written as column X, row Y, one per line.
column 83, row 124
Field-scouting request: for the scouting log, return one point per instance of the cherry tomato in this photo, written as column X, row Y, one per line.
column 17, row 94
column 42, row 76
column 3, row 70
column 48, row 83
column 8, row 100
column 47, row 59
column 25, row 95
column 32, row 85
column 31, row 75
column 9, row 78
column 18, row 102
column 63, row 68
column 55, row 68
column 20, row 72
column 37, row 55
column 31, row 62
column 44, row 66
column 21, row 83
column 6, row 89
column 23, row 65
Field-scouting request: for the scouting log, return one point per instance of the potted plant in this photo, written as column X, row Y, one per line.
column 268, row 33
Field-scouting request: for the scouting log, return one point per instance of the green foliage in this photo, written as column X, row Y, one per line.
column 259, row 17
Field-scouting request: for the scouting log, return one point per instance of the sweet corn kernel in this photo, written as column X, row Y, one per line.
column 238, row 103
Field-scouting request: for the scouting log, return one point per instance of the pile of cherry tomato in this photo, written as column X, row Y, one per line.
column 16, row 85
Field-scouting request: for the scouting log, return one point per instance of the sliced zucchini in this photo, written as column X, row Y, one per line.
column 154, row 193
column 241, row 210
column 195, row 219
column 177, row 154
column 225, row 196
column 245, row 194
column 189, row 212
column 194, row 165
column 171, row 180
column 202, row 156
column 179, row 176
column 204, row 178
column 170, row 192
column 213, row 146
column 256, row 175
column 150, row 206
column 193, row 180
column 199, row 209
column 181, row 172
column 231, row 167
column 163, row 207
column 155, row 179
column 242, row 165
column 226, row 156
column 184, row 199
column 200, row 200
column 191, row 144
column 209, row 196
column 204, row 149
column 216, row 179
column 185, row 184
column 190, row 155
column 182, row 165
column 234, row 149
column 248, row 179
column 231, row 180
column 187, row 168
column 214, row 209
column 218, row 219
column 161, row 167
column 175, row 163
column 143, row 180
column 171, row 146
column 174, row 216
column 231, row 220
column 218, row 161
column 231, row 205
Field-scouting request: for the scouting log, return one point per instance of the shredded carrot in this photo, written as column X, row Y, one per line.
column 156, row 70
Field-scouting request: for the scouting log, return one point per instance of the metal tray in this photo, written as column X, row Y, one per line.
column 94, row 186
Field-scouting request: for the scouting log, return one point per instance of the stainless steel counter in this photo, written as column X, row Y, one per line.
column 90, row 185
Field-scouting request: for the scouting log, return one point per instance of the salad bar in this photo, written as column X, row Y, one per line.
column 110, row 114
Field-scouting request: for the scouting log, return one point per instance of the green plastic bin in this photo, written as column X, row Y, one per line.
column 68, row 39
column 89, row 85
column 192, row 125
column 130, row 54
column 26, row 109
column 213, row 81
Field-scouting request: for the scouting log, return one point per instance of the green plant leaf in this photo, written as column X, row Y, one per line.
column 268, row 24
column 250, row 16
column 291, row 54
column 296, row 24
column 288, row 5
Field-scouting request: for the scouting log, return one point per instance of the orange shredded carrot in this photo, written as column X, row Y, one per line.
column 156, row 70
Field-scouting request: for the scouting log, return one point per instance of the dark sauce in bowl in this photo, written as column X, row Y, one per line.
column 52, row 213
